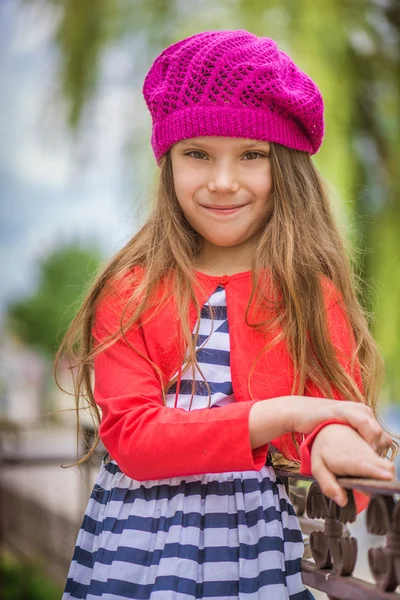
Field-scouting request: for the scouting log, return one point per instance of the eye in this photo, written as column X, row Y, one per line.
column 259, row 154
column 194, row 152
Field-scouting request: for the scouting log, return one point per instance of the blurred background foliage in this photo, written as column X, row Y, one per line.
column 42, row 319
column 351, row 48
column 25, row 581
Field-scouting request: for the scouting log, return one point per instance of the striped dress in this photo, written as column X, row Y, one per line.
column 232, row 535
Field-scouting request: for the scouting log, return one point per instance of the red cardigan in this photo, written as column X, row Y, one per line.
column 151, row 441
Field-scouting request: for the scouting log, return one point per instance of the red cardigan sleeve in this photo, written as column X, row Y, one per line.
column 343, row 341
column 149, row 440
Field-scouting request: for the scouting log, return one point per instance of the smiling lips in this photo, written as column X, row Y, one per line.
column 224, row 210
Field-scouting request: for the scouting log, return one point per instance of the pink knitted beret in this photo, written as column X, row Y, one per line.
column 231, row 83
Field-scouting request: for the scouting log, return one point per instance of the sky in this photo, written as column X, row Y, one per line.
column 54, row 188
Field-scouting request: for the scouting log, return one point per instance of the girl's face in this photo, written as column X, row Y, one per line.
column 223, row 186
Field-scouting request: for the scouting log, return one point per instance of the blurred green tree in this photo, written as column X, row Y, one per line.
column 64, row 277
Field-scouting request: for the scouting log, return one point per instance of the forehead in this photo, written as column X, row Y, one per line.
column 222, row 142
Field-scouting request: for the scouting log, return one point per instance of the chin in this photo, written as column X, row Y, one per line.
column 225, row 244
column 224, row 241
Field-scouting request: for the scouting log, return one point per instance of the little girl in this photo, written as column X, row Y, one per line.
column 222, row 337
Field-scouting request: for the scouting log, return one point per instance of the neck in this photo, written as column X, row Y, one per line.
column 218, row 260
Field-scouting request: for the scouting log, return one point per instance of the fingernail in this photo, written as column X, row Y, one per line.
column 387, row 473
column 339, row 500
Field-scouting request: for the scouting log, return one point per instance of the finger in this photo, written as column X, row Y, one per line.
column 361, row 417
column 380, row 440
column 368, row 464
column 328, row 483
column 390, row 468
column 373, row 465
column 385, row 443
column 370, row 429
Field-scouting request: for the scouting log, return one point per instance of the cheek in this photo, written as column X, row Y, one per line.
column 186, row 182
column 185, row 190
column 261, row 182
column 261, row 189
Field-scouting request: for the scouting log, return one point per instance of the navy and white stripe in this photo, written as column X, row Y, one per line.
column 213, row 356
column 232, row 535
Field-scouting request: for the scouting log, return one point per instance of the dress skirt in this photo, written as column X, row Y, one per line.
column 232, row 535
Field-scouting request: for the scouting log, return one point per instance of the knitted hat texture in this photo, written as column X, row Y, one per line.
column 231, row 83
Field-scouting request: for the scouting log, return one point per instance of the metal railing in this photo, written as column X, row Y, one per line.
column 334, row 551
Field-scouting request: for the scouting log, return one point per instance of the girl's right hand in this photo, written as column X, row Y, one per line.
column 305, row 413
column 340, row 451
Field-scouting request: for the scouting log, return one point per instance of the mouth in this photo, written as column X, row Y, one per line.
column 223, row 210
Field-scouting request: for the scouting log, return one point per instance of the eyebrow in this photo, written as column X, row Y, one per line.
column 192, row 142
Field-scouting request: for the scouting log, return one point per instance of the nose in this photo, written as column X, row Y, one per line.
column 223, row 180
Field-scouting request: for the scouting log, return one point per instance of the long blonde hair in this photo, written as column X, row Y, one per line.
column 300, row 242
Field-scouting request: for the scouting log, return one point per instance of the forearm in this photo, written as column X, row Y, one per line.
column 269, row 419
column 150, row 441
